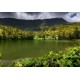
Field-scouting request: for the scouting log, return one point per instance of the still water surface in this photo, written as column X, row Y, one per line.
column 31, row 48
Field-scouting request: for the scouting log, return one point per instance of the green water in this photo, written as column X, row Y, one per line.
column 31, row 48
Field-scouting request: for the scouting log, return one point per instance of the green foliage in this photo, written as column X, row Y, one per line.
column 69, row 58
column 0, row 61
column 57, row 32
column 7, row 32
column 18, row 64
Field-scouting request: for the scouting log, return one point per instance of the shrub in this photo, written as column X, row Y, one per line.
column 68, row 58
column 0, row 61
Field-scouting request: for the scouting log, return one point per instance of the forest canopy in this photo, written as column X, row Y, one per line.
column 57, row 32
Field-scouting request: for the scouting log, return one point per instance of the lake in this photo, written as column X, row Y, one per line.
column 12, row 50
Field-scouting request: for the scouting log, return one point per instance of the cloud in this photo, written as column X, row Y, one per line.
column 73, row 17
column 32, row 15
column 68, row 16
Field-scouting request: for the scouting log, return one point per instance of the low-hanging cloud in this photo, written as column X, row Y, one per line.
column 73, row 17
column 32, row 15
column 68, row 16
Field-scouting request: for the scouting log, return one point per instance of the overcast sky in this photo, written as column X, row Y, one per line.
column 69, row 16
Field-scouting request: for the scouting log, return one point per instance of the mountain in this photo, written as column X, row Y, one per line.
column 31, row 24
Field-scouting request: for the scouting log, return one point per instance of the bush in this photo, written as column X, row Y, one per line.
column 69, row 58
column 1, row 65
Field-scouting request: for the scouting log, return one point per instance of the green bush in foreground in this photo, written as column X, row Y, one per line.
column 0, row 61
column 69, row 58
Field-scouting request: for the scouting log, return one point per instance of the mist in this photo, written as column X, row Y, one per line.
column 68, row 16
column 32, row 15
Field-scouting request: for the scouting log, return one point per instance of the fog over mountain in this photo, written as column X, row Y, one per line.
column 68, row 16
column 32, row 15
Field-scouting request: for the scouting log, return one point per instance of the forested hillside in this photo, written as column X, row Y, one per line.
column 59, row 32
column 31, row 24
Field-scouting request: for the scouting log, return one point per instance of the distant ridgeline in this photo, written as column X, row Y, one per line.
column 31, row 24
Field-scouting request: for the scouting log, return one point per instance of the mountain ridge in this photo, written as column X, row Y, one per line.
column 35, row 24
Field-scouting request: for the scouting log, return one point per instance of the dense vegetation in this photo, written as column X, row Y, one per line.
column 67, row 31
column 0, row 61
column 31, row 24
column 68, row 58
column 7, row 32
